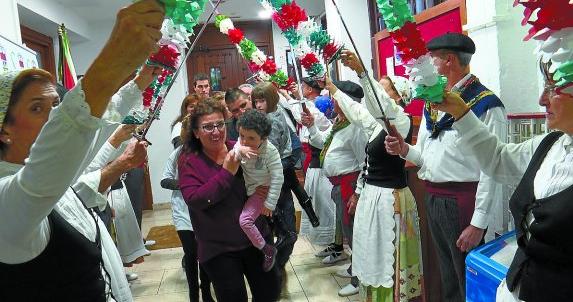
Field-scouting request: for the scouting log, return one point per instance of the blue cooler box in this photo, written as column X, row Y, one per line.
column 487, row 265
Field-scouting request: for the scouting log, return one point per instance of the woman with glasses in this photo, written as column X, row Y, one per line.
column 212, row 185
column 542, row 169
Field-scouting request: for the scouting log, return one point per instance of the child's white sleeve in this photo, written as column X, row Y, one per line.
column 236, row 150
column 275, row 169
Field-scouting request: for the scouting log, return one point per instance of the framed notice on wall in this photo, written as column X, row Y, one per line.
column 14, row 56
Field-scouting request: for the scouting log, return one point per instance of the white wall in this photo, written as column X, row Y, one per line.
column 280, row 45
column 355, row 14
column 57, row 13
column 503, row 62
column 10, row 22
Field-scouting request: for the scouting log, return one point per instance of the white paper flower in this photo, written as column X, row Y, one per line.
column 422, row 71
column 226, row 25
column 557, row 48
column 306, row 28
column 264, row 76
column 259, row 57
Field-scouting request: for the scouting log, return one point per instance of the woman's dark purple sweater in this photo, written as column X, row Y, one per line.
column 215, row 198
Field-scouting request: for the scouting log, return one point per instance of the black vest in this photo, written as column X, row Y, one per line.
column 315, row 157
column 384, row 170
column 543, row 264
column 67, row 270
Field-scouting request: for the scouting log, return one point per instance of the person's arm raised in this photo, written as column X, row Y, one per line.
column 134, row 37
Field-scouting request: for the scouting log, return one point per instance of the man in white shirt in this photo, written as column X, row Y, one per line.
column 459, row 196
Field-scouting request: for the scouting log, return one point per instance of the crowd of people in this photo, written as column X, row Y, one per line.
column 233, row 174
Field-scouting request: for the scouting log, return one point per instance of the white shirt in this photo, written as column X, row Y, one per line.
column 441, row 160
column 346, row 152
column 181, row 217
column 320, row 120
column 507, row 163
column 359, row 115
column 264, row 170
column 176, row 131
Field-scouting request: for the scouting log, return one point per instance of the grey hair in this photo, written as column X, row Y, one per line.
column 463, row 57
column 246, row 85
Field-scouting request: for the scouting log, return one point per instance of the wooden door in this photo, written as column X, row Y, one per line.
column 219, row 59
column 43, row 46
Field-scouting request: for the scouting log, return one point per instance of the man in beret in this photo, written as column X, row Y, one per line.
column 341, row 159
column 458, row 196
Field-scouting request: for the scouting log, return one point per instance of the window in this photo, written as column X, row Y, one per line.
column 416, row 6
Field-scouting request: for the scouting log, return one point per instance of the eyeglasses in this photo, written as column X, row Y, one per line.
column 209, row 128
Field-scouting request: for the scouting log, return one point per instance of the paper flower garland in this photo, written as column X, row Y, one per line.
column 257, row 61
column 184, row 12
column 304, row 35
column 427, row 83
column 552, row 27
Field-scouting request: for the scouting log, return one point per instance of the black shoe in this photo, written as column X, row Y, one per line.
column 307, row 207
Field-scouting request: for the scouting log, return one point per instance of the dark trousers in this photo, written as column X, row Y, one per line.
column 227, row 270
column 134, row 186
column 285, row 225
column 192, row 268
column 444, row 224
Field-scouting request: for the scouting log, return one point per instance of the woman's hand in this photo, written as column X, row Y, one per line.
column 134, row 37
column 453, row 104
column 121, row 134
column 350, row 60
column 231, row 163
column 395, row 145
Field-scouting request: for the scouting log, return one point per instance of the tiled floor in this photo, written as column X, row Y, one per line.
column 161, row 277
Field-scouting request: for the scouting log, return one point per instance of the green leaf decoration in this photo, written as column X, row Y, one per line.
column 280, row 78
column 278, row 4
column 316, row 70
column 564, row 74
column 319, row 39
column 292, row 36
column 433, row 94
column 247, row 47
column 219, row 19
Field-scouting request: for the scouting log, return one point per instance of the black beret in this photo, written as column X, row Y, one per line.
column 311, row 82
column 453, row 41
column 350, row 88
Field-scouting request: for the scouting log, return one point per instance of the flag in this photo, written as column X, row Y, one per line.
column 66, row 70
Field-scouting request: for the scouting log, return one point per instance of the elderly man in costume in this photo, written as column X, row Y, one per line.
column 458, row 195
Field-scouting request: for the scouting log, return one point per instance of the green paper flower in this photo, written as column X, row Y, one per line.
column 395, row 14
column 184, row 12
column 219, row 19
column 247, row 47
column 433, row 94
column 319, row 39
column 316, row 70
column 564, row 74
column 278, row 4
column 279, row 78
column 292, row 36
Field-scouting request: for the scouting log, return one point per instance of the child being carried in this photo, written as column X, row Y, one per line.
column 262, row 170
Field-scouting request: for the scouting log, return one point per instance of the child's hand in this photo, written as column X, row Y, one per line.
column 266, row 212
column 248, row 152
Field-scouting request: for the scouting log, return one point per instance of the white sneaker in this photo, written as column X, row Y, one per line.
column 343, row 273
column 131, row 277
column 331, row 248
column 348, row 290
column 334, row 257
column 149, row 243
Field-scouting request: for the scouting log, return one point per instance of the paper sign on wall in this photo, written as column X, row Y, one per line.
column 390, row 66
column 15, row 57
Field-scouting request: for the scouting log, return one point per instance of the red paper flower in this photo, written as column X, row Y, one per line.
column 553, row 15
column 308, row 60
column 290, row 81
column 409, row 42
column 147, row 96
column 269, row 66
column 166, row 56
column 289, row 16
column 330, row 50
column 235, row 35
column 253, row 67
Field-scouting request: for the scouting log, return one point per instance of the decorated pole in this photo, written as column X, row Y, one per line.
column 384, row 118
column 180, row 16
column 428, row 84
column 262, row 66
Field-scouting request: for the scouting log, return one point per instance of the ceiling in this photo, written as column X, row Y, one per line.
column 97, row 10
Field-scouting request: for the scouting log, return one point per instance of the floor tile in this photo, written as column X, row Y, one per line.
column 144, row 289
column 174, row 280
column 171, row 297
column 294, row 297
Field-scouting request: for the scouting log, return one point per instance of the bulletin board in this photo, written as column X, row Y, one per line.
column 14, row 56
